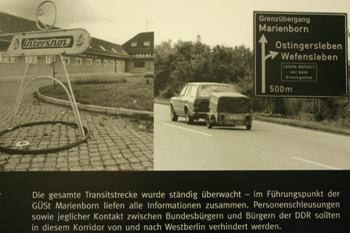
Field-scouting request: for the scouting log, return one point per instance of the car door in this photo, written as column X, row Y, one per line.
column 190, row 97
column 187, row 100
column 177, row 102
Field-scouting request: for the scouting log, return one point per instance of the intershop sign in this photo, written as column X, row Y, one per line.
column 73, row 41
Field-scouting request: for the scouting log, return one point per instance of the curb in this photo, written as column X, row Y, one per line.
column 99, row 109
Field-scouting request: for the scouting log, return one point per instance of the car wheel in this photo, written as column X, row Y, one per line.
column 189, row 119
column 173, row 115
column 249, row 127
column 209, row 125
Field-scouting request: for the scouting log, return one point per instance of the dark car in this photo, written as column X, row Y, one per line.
column 229, row 109
column 193, row 100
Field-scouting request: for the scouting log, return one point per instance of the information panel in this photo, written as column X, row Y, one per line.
column 300, row 54
column 222, row 201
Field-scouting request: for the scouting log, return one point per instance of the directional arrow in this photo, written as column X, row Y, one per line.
column 272, row 55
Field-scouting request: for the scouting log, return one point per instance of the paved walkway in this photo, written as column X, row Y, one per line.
column 115, row 143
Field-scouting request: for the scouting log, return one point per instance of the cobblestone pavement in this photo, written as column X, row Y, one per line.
column 115, row 143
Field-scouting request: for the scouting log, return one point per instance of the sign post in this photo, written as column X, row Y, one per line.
column 47, row 42
column 300, row 54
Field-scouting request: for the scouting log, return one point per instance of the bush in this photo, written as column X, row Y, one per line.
column 148, row 75
column 100, row 80
column 335, row 108
column 170, row 91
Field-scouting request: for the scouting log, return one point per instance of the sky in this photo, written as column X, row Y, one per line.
column 218, row 22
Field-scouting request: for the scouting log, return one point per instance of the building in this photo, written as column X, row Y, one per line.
column 101, row 56
column 141, row 49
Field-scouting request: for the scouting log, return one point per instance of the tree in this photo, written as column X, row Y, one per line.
column 164, row 65
column 191, row 60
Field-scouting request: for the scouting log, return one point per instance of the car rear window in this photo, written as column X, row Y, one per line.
column 206, row 90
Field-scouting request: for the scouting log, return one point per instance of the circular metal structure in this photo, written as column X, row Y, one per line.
column 40, row 12
column 43, row 151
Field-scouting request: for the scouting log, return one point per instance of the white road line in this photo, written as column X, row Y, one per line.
column 319, row 164
column 194, row 131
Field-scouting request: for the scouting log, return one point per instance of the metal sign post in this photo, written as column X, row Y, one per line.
column 47, row 42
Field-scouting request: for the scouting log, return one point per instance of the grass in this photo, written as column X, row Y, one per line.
column 129, row 92
column 305, row 122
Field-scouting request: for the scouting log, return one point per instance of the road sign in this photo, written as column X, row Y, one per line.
column 300, row 54
column 70, row 41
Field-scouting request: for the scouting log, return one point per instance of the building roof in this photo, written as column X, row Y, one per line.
column 141, row 43
column 102, row 47
column 14, row 24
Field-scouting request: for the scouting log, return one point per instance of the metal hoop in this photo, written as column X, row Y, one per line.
column 43, row 151
column 40, row 12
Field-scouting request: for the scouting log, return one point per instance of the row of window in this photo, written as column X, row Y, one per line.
column 67, row 61
column 77, row 61
column 146, row 43
column 142, row 55
column 89, row 62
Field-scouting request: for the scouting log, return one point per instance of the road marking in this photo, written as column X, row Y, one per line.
column 319, row 164
column 194, row 131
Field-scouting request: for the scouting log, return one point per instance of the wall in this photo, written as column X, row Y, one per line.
column 42, row 66
column 149, row 66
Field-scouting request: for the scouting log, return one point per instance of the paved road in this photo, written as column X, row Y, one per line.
column 179, row 146
column 115, row 143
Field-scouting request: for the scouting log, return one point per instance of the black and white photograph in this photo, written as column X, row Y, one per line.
column 289, row 64
column 81, row 107
column 176, row 115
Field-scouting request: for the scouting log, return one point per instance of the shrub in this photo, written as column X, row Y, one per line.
column 100, row 80
column 148, row 75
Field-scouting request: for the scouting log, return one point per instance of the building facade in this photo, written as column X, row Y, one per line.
column 101, row 56
column 141, row 50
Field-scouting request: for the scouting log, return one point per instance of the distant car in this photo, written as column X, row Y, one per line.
column 229, row 109
column 193, row 100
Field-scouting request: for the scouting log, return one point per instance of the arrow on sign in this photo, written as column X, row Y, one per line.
column 272, row 55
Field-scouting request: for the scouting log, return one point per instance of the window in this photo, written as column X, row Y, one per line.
column 188, row 91
column 139, row 64
column 31, row 60
column 78, row 61
column 206, row 90
column 50, row 60
column 118, row 63
column 102, row 48
column 133, row 44
column 105, row 62
column 88, row 62
column 66, row 60
column 147, row 43
column 114, row 50
column 98, row 62
column 6, row 59
column 182, row 93
column 112, row 63
column 193, row 91
column 122, row 63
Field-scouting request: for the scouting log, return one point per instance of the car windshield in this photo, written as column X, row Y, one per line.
column 206, row 90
